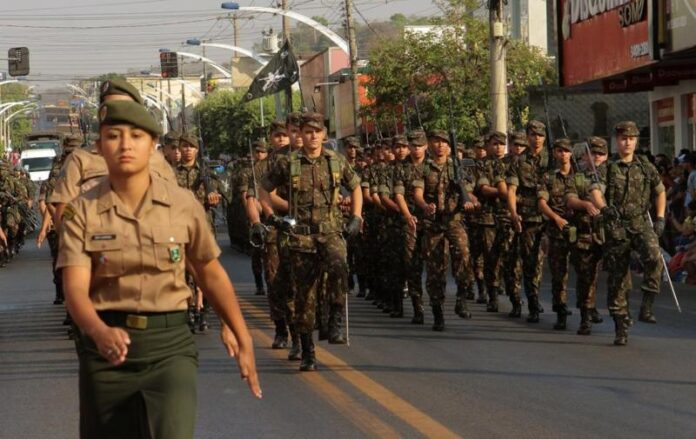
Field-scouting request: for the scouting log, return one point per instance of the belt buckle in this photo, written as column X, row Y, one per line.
column 136, row 322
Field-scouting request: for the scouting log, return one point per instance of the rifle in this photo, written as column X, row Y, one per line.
column 205, row 172
column 415, row 104
column 459, row 178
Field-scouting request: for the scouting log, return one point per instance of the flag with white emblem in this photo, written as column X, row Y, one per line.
column 280, row 72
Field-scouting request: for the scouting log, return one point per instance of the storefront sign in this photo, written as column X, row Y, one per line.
column 665, row 111
column 602, row 38
column 681, row 25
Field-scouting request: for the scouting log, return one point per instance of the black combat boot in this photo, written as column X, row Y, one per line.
column 294, row 352
column 361, row 286
column 516, row 311
column 585, row 322
column 461, row 309
column 418, row 317
column 595, row 316
column 335, row 329
column 533, row 306
column 438, row 317
column 646, row 314
column 203, row 320
column 561, row 318
column 621, row 329
column 398, row 304
column 492, row 301
column 470, row 293
column 481, row 292
column 60, row 297
column 281, row 335
column 309, row 360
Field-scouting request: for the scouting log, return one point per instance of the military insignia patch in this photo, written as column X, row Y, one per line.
column 174, row 254
column 105, row 87
column 102, row 114
column 68, row 213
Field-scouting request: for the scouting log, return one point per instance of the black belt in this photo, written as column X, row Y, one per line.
column 147, row 320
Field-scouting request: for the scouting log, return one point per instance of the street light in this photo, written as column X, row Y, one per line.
column 248, row 53
column 333, row 36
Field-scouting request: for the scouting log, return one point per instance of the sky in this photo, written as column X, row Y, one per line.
column 73, row 39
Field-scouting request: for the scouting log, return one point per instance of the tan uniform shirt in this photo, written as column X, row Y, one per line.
column 137, row 264
column 84, row 169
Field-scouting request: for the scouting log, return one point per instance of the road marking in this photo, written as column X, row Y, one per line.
column 401, row 408
column 356, row 413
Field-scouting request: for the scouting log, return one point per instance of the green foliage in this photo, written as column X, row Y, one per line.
column 431, row 68
column 228, row 124
column 20, row 124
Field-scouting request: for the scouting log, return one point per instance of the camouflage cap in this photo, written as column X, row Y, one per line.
column 119, row 87
column 478, row 143
column 294, row 118
column 259, row 145
column 399, row 140
column 417, row 138
column 172, row 138
column 438, row 134
column 351, row 142
column 72, row 141
column 278, row 126
column 314, row 120
column 519, row 138
column 128, row 112
column 461, row 147
column 469, row 153
column 598, row 145
column 627, row 128
column 497, row 137
column 563, row 143
column 536, row 127
column 190, row 139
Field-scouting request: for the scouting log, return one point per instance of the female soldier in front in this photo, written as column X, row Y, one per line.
column 124, row 248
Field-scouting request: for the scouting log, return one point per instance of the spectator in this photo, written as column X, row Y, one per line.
column 690, row 169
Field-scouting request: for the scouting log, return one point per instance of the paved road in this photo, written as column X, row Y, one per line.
column 490, row 377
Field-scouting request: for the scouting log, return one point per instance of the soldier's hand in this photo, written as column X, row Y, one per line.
column 257, row 234
column 591, row 209
column 516, row 222
column 214, row 198
column 412, row 222
column 430, row 209
column 247, row 369
column 659, row 226
column 229, row 340
column 3, row 238
column 112, row 343
column 469, row 206
column 561, row 223
column 354, row 225
column 609, row 213
column 40, row 238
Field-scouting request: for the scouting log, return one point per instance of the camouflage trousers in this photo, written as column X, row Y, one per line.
column 52, row 238
column 559, row 255
column 617, row 256
column 482, row 238
column 354, row 256
column 277, row 298
column 532, row 257
column 413, row 259
column 370, row 252
column 436, row 238
column 257, row 266
column 503, row 262
column 585, row 257
column 315, row 260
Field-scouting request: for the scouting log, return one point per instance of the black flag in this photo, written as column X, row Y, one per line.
column 280, row 72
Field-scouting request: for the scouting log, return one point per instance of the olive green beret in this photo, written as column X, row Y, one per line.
column 439, row 134
column 119, row 87
column 563, row 143
column 536, row 127
column 128, row 112
column 519, row 138
column 627, row 128
column 417, row 138
column 314, row 120
column 189, row 138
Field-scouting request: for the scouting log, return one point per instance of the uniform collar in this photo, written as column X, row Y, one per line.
column 156, row 193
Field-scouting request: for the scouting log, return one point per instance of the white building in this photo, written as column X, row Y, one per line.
column 528, row 20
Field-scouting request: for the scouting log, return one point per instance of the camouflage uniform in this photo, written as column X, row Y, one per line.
column 315, row 245
column 441, row 230
column 630, row 187
column 483, row 238
column 379, row 237
column 191, row 178
column 525, row 173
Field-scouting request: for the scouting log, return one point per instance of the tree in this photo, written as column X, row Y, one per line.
column 20, row 124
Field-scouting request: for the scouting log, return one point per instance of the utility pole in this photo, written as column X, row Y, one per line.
column 204, row 82
column 353, row 46
column 498, row 96
column 286, row 37
column 235, row 57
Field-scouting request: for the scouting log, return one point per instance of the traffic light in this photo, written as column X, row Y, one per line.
column 169, row 64
column 18, row 61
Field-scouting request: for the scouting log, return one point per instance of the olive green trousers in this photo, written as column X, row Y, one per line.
column 152, row 395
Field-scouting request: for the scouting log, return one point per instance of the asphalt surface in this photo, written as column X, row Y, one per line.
column 489, row 377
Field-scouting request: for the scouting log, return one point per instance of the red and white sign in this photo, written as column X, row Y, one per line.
column 665, row 111
column 690, row 106
column 600, row 39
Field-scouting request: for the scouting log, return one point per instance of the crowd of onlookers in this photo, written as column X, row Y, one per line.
column 679, row 240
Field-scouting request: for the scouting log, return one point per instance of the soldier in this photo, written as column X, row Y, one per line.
column 355, row 247
column 170, row 149
column 436, row 194
column 412, row 229
column 552, row 203
column 312, row 177
column 586, row 254
column 260, row 151
column 523, row 180
column 631, row 184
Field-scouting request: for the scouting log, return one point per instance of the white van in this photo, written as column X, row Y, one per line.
column 38, row 162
